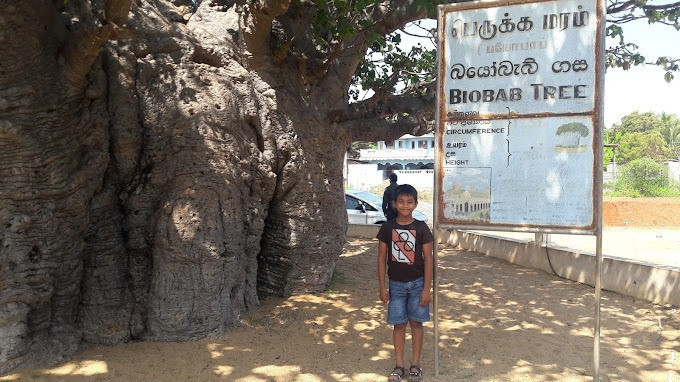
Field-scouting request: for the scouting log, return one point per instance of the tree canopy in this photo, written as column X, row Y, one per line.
column 625, row 54
column 640, row 135
column 639, row 145
column 387, row 63
column 389, row 70
column 401, row 79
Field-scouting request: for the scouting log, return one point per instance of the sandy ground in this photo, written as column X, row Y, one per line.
column 498, row 322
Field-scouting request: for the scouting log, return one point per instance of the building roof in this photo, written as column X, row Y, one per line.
column 397, row 154
column 409, row 136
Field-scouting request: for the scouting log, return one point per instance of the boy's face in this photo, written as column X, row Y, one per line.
column 405, row 204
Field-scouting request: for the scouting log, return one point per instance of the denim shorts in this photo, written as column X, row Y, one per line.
column 404, row 302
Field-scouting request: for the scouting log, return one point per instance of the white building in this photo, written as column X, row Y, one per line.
column 406, row 153
column 410, row 157
column 674, row 169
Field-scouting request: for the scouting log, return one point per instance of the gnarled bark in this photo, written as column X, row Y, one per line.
column 155, row 195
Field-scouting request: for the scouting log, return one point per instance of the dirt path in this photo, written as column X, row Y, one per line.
column 499, row 322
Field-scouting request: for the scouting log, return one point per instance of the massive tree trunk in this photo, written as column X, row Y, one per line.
column 153, row 186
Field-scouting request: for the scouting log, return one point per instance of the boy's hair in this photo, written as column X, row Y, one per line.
column 393, row 178
column 406, row 189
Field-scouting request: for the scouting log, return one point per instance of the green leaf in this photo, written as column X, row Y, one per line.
column 668, row 77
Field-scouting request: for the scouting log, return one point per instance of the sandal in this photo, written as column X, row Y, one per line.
column 395, row 375
column 415, row 374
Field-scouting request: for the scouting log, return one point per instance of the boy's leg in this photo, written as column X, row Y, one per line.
column 397, row 315
column 399, row 338
column 417, row 315
column 416, row 341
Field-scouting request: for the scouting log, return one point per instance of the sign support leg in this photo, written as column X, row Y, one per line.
column 435, row 303
column 598, row 292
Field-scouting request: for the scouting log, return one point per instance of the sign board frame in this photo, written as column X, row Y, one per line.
column 468, row 71
column 595, row 113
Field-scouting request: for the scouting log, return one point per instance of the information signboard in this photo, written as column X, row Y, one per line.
column 519, row 111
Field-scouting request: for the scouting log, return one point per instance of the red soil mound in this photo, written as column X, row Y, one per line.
column 641, row 212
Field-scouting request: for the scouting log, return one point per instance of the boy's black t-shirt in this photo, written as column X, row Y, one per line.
column 405, row 260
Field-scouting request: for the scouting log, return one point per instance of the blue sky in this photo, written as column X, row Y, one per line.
column 643, row 89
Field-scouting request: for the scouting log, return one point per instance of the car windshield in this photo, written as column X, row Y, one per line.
column 369, row 197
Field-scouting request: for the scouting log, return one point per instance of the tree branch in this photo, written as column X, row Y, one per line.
column 618, row 7
column 83, row 46
column 418, row 100
column 320, row 72
column 256, row 27
column 661, row 7
column 387, row 20
column 381, row 129
column 384, row 90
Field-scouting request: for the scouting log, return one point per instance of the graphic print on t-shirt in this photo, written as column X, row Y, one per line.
column 404, row 245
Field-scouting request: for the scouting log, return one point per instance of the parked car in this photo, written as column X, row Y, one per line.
column 364, row 207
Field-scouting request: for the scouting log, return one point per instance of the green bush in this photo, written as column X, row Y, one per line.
column 644, row 177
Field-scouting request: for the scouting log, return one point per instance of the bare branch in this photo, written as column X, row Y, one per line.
column 404, row 31
column 620, row 6
column 661, row 7
column 625, row 19
column 381, row 129
column 629, row 5
column 420, row 101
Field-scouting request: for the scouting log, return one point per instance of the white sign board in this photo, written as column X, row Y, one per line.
column 519, row 111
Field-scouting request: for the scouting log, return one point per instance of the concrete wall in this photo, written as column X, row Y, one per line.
column 650, row 282
column 420, row 179
column 363, row 176
column 674, row 170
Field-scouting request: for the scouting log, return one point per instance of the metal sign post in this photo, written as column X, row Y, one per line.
column 599, row 111
column 435, row 229
column 519, row 122
column 435, row 300
column 598, row 290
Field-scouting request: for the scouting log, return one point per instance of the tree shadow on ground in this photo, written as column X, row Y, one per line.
column 498, row 322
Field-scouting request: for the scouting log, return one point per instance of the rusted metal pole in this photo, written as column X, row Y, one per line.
column 599, row 153
column 435, row 215
column 598, row 292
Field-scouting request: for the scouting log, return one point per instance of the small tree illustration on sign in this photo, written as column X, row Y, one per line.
column 572, row 133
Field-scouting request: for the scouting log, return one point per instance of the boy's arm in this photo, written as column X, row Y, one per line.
column 382, row 264
column 426, row 295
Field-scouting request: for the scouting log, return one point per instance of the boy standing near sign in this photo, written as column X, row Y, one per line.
column 405, row 252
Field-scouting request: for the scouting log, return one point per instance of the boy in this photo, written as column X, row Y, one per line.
column 405, row 246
